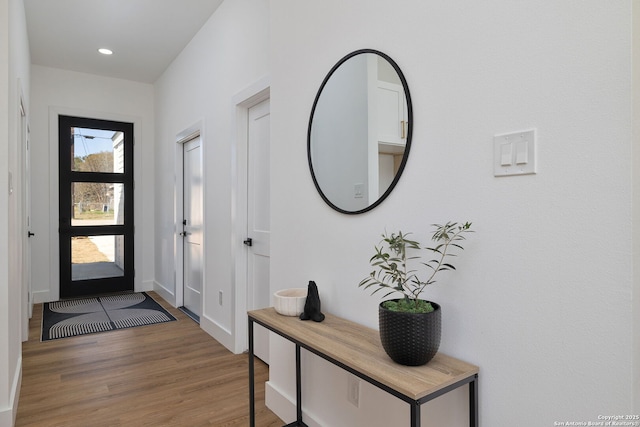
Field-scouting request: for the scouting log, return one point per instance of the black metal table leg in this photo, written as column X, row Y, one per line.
column 252, row 395
column 473, row 402
column 298, row 388
column 298, row 422
column 415, row 414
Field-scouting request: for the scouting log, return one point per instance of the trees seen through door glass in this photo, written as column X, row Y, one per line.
column 97, row 150
column 97, row 203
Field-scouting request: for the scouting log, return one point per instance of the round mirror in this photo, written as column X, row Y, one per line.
column 359, row 131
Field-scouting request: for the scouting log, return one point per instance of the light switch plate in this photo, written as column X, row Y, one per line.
column 514, row 153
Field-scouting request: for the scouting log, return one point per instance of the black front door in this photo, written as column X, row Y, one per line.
column 96, row 206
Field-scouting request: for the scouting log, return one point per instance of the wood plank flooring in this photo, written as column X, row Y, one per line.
column 171, row 374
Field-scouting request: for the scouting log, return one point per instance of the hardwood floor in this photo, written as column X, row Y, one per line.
column 171, row 374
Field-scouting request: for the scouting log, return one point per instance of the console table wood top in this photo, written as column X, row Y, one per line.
column 359, row 348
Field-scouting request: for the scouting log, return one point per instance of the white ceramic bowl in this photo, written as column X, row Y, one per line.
column 290, row 302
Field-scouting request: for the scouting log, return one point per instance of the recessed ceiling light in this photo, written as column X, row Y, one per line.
column 105, row 51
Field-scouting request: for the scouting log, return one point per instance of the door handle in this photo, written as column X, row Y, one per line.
column 184, row 233
column 29, row 234
column 248, row 242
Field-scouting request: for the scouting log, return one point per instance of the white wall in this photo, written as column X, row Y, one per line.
column 14, row 81
column 542, row 298
column 54, row 92
column 636, row 205
column 229, row 54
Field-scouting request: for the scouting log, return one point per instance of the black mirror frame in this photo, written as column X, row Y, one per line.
column 409, row 131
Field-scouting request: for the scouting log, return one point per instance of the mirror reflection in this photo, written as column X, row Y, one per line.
column 359, row 131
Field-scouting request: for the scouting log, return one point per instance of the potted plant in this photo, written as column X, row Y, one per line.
column 410, row 326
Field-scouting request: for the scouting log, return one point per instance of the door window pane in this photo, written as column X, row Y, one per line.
column 97, row 257
column 96, row 150
column 97, row 203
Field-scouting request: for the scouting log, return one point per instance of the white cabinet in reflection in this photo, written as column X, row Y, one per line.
column 388, row 129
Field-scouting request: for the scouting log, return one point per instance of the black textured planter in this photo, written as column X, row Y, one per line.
column 410, row 339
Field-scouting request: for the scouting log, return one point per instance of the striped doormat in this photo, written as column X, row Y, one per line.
column 71, row 318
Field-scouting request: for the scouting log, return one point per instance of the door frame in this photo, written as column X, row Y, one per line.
column 195, row 130
column 25, row 204
column 54, row 240
column 243, row 101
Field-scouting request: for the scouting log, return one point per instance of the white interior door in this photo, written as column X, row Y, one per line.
column 259, row 219
column 192, row 226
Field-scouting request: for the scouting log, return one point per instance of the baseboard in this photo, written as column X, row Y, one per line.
column 15, row 389
column 284, row 406
column 146, row 286
column 8, row 416
column 40, row 297
column 166, row 294
column 210, row 326
column 220, row 334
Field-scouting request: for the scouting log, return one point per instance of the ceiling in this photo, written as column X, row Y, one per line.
column 145, row 35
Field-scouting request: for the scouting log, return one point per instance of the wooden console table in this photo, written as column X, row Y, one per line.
column 357, row 349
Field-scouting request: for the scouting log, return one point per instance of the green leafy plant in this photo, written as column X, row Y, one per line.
column 393, row 274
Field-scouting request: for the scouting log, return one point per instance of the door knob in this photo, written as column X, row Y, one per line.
column 248, row 242
column 29, row 234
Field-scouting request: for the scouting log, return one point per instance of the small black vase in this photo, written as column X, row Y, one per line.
column 410, row 339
